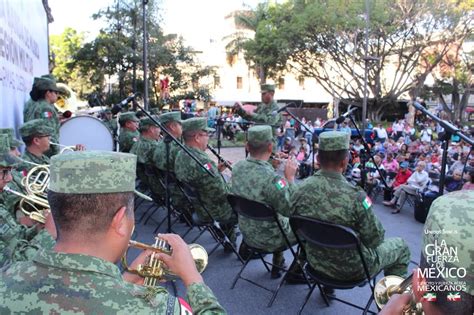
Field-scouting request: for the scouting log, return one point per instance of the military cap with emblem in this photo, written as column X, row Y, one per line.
column 6, row 159
column 259, row 134
column 35, row 127
column 170, row 116
column 45, row 84
column 267, row 88
column 334, row 141
column 93, row 172
column 127, row 116
column 196, row 124
column 145, row 122
column 13, row 142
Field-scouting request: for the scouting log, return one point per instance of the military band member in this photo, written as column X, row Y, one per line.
column 172, row 122
column 212, row 190
column 145, row 147
column 109, row 121
column 91, row 198
column 129, row 134
column 18, row 242
column 256, row 179
column 37, row 137
column 327, row 196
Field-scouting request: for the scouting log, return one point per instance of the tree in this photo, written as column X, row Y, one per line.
column 325, row 40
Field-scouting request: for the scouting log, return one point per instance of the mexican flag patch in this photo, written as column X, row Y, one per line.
column 454, row 296
column 185, row 308
column 47, row 115
column 280, row 184
column 367, row 203
column 208, row 166
column 429, row 297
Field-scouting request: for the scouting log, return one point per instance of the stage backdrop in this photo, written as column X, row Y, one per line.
column 23, row 55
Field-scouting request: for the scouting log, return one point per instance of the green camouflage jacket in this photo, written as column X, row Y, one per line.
column 18, row 242
column 212, row 190
column 144, row 149
column 27, row 156
column 127, row 138
column 9, row 200
column 160, row 155
column 47, row 112
column 257, row 180
column 327, row 196
column 265, row 114
column 59, row 283
column 111, row 124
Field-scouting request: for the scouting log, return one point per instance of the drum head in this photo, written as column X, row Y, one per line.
column 88, row 131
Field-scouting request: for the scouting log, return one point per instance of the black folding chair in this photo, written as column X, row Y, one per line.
column 312, row 232
column 211, row 225
column 261, row 212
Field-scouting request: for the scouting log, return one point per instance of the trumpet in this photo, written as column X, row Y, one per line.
column 153, row 270
column 37, row 205
column 390, row 285
column 64, row 148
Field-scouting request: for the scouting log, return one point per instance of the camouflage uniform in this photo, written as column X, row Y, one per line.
column 212, row 190
column 17, row 242
column 257, row 180
column 112, row 125
column 327, row 196
column 127, row 137
column 449, row 227
column 61, row 282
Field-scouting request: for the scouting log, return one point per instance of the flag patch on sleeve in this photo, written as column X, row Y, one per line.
column 280, row 184
column 47, row 115
column 367, row 203
column 208, row 166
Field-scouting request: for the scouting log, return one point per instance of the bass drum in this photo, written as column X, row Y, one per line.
column 86, row 130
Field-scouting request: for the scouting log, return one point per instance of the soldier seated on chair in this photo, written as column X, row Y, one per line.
column 327, row 196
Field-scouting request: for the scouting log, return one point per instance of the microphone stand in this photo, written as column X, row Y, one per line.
column 449, row 130
column 363, row 160
column 171, row 138
column 307, row 129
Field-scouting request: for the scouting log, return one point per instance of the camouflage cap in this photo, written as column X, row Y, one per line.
column 6, row 159
column 267, row 88
column 13, row 142
column 45, row 84
column 259, row 134
column 195, row 124
column 93, row 172
column 145, row 122
column 107, row 111
column 447, row 235
column 127, row 116
column 333, row 141
column 49, row 76
column 35, row 127
column 170, row 116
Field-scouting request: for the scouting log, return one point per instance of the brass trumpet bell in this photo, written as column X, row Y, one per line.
column 390, row 285
column 153, row 270
column 31, row 205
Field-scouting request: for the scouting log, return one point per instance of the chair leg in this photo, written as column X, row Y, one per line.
column 323, row 294
column 240, row 272
column 277, row 290
column 146, row 212
column 369, row 302
column 264, row 262
column 307, row 298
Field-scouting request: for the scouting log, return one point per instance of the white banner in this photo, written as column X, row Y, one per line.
column 23, row 55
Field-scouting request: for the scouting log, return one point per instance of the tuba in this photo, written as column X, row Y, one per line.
column 154, row 270
column 390, row 285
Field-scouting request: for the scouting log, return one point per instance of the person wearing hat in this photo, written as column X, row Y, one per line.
column 37, row 137
column 45, row 94
column 18, row 242
column 92, row 202
column 329, row 197
column 266, row 112
column 129, row 134
column 447, row 238
column 145, row 147
column 109, row 121
column 402, row 176
column 212, row 190
column 255, row 178
column 34, row 94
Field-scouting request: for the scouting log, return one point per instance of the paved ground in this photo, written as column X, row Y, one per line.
column 249, row 299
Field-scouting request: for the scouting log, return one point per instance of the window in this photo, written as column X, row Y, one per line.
column 281, row 84
column 301, row 82
column 239, row 83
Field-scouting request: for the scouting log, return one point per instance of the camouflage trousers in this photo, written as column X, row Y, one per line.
column 393, row 257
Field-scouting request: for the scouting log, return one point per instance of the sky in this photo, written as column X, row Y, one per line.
column 195, row 20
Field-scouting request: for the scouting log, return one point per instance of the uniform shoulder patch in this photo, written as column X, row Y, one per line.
column 367, row 203
column 47, row 114
column 281, row 183
column 134, row 139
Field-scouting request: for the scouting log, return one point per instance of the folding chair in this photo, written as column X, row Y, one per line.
column 312, row 232
column 261, row 212
column 210, row 225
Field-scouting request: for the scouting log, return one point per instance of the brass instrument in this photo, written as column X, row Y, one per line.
column 31, row 205
column 153, row 270
column 390, row 285
column 219, row 157
column 36, row 182
column 64, row 148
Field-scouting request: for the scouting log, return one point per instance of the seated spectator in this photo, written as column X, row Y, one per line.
column 402, row 175
column 417, row 181
column 373, row 176
column 390, row 164
column 454, row 182
column 457, row 165
column 469, row 185
column 287, row 145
